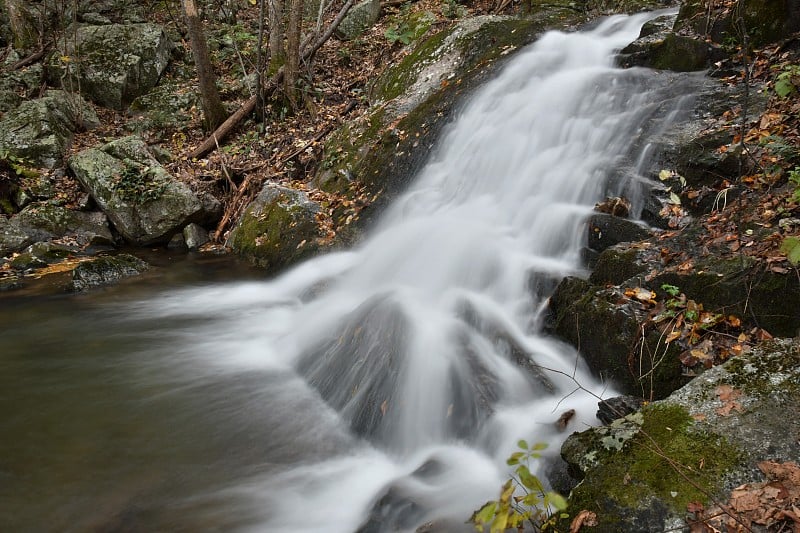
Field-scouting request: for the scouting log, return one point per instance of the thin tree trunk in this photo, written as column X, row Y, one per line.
column 292, row 71
column 277, row 54
column 213, row 112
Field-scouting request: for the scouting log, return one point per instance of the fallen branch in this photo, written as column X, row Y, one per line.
column 31, row 59
column 249, row 106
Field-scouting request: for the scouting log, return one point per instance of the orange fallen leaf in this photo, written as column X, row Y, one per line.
column 584, row 518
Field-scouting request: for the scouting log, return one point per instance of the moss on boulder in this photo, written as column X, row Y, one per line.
column 39, row 131
column 278, row 228
column 111, row 64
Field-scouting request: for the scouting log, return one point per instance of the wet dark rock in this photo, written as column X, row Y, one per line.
column 112, row 64
column 617, row 407
column 357, row 370
column 608, row 332
column 278, row 228
column 668, row 51
column 145, row 203
column 395, row 511
column 105, row 270
column 607, row 230
column 617, row 264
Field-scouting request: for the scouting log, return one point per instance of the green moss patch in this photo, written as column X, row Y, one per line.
column 668, row 459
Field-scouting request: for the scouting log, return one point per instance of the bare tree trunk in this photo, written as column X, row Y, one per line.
column 277, row 54
column 214, row 113
column 292, row 71
column 24, row 26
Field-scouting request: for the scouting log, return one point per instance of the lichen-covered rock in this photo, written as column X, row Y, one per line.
column 13, row 238
column 41, row 254
column 39, row 131
column 144, row 202
column 56, row 221
column 359, row 19
column 105, row 270
column 112, row 64
column 277, row 229
column 19, row 84
column 641, row 472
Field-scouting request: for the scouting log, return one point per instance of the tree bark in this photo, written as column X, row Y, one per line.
column 292, row 71
column 213, row 111
column 277, row 53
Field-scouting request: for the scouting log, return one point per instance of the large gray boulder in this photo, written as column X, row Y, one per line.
column 39, row 131
column 359, row 19
column 43, row 221
column 143, row 201
column 111, row 64
column 278, row 228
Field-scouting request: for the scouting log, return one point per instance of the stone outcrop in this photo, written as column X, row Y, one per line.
column 39, row 131
column 143, row 201
column 43, row 221
column 111, row 64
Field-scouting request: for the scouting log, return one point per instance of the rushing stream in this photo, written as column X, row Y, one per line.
column 403, row 371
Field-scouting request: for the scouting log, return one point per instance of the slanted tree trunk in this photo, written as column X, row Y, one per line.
column 292, row 70
column 214, row 113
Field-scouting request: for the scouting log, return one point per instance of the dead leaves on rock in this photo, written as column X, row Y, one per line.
column 773, row 505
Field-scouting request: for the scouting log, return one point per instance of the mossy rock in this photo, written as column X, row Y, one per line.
column 607, row 330
column 699, row 443
column 277, row 229
column 39, row 131
column 145, row 203
column 633, row 470
column 111, row 64
column 105, row 270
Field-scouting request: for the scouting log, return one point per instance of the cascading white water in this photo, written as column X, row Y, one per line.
column 409, row 367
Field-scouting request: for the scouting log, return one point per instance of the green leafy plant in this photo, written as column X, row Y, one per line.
column 453, row 10
column 791, row 247
column 523, row 498
column 794, row 178
column 399, row 32
column 787, row 81
column 138, row 185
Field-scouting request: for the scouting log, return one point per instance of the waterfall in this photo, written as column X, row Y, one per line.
column 406, row 369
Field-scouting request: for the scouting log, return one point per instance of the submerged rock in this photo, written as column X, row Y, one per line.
column 112, row 64
column 39, row 131
column 145, row 203
column 105, row 270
